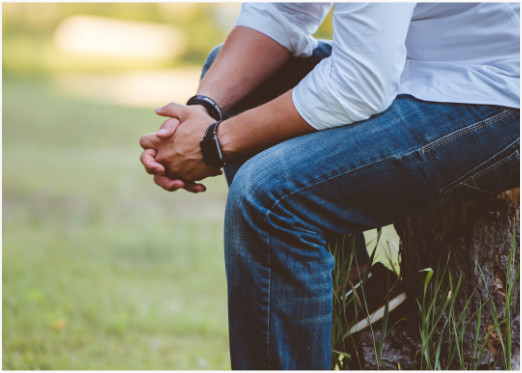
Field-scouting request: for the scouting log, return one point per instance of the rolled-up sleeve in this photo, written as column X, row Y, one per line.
column 289, row 24
column 362, row 76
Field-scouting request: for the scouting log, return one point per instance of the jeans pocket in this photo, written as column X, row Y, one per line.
column 499, row 173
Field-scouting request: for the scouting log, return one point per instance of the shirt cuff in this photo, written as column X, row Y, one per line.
column 319, row 105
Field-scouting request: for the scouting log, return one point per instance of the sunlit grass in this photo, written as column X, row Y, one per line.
column 101, row 268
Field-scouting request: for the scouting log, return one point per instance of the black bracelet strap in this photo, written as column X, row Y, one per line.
column 212, row 130
column 210, row 148
column 212, row 107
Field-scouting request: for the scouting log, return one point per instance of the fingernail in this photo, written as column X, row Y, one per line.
column 162, row 132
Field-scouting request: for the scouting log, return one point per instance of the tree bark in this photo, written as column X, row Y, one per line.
column 472, row 240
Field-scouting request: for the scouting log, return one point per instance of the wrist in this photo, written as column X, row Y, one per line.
column 202, row 108
column 260, row 128
column 227, row 140
column 209, row 104
column 211, row 148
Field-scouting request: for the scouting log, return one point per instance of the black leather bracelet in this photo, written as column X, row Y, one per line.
column 210, row 148
column 212, row 130
column 212, row 107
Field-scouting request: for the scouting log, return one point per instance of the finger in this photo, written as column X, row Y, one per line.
column 216, row 173
column 149, row 162
column 149, row 141
column 168, row 128
column 151, row 151
column 194, row 187
column 167, row 183
column 171, row 110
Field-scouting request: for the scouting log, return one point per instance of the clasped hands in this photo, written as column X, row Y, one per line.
column 173, row 154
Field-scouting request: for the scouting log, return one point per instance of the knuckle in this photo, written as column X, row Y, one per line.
column 151, row 166
column 160, row 158
column 147, row 166
column 189, row 176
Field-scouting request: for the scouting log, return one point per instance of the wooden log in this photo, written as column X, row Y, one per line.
column 477, row 238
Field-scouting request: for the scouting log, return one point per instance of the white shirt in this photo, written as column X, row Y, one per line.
column 442, row 52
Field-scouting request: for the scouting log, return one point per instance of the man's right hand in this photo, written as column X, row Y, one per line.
column 148, row 159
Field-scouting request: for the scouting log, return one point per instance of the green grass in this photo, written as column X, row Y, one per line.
column 442, row 328
column 451, row 330
column 101, row 268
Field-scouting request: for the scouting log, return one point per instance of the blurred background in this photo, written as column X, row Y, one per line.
column 101, row 269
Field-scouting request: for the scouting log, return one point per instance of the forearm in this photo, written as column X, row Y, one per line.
column 261, row 127
column 247, row 58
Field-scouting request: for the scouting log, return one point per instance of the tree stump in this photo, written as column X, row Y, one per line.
column 470, row 241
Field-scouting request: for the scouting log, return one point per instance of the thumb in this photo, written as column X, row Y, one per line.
column 170, row 110
column 168, row 128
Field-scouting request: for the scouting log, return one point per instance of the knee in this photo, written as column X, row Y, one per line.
column 210, row 59
column 254, row 191
column 248, row 193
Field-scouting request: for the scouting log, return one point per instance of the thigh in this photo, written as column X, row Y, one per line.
column 413, row 157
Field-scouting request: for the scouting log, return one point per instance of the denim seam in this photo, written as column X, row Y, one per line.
column 269, row 297
column 269, row 305
column 464, row 131
column 473, row 175
column 489, row 168
column 459, row 133
column 267, row 218
column 492, row 167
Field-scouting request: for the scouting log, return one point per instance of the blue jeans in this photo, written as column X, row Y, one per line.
column 285, row 202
